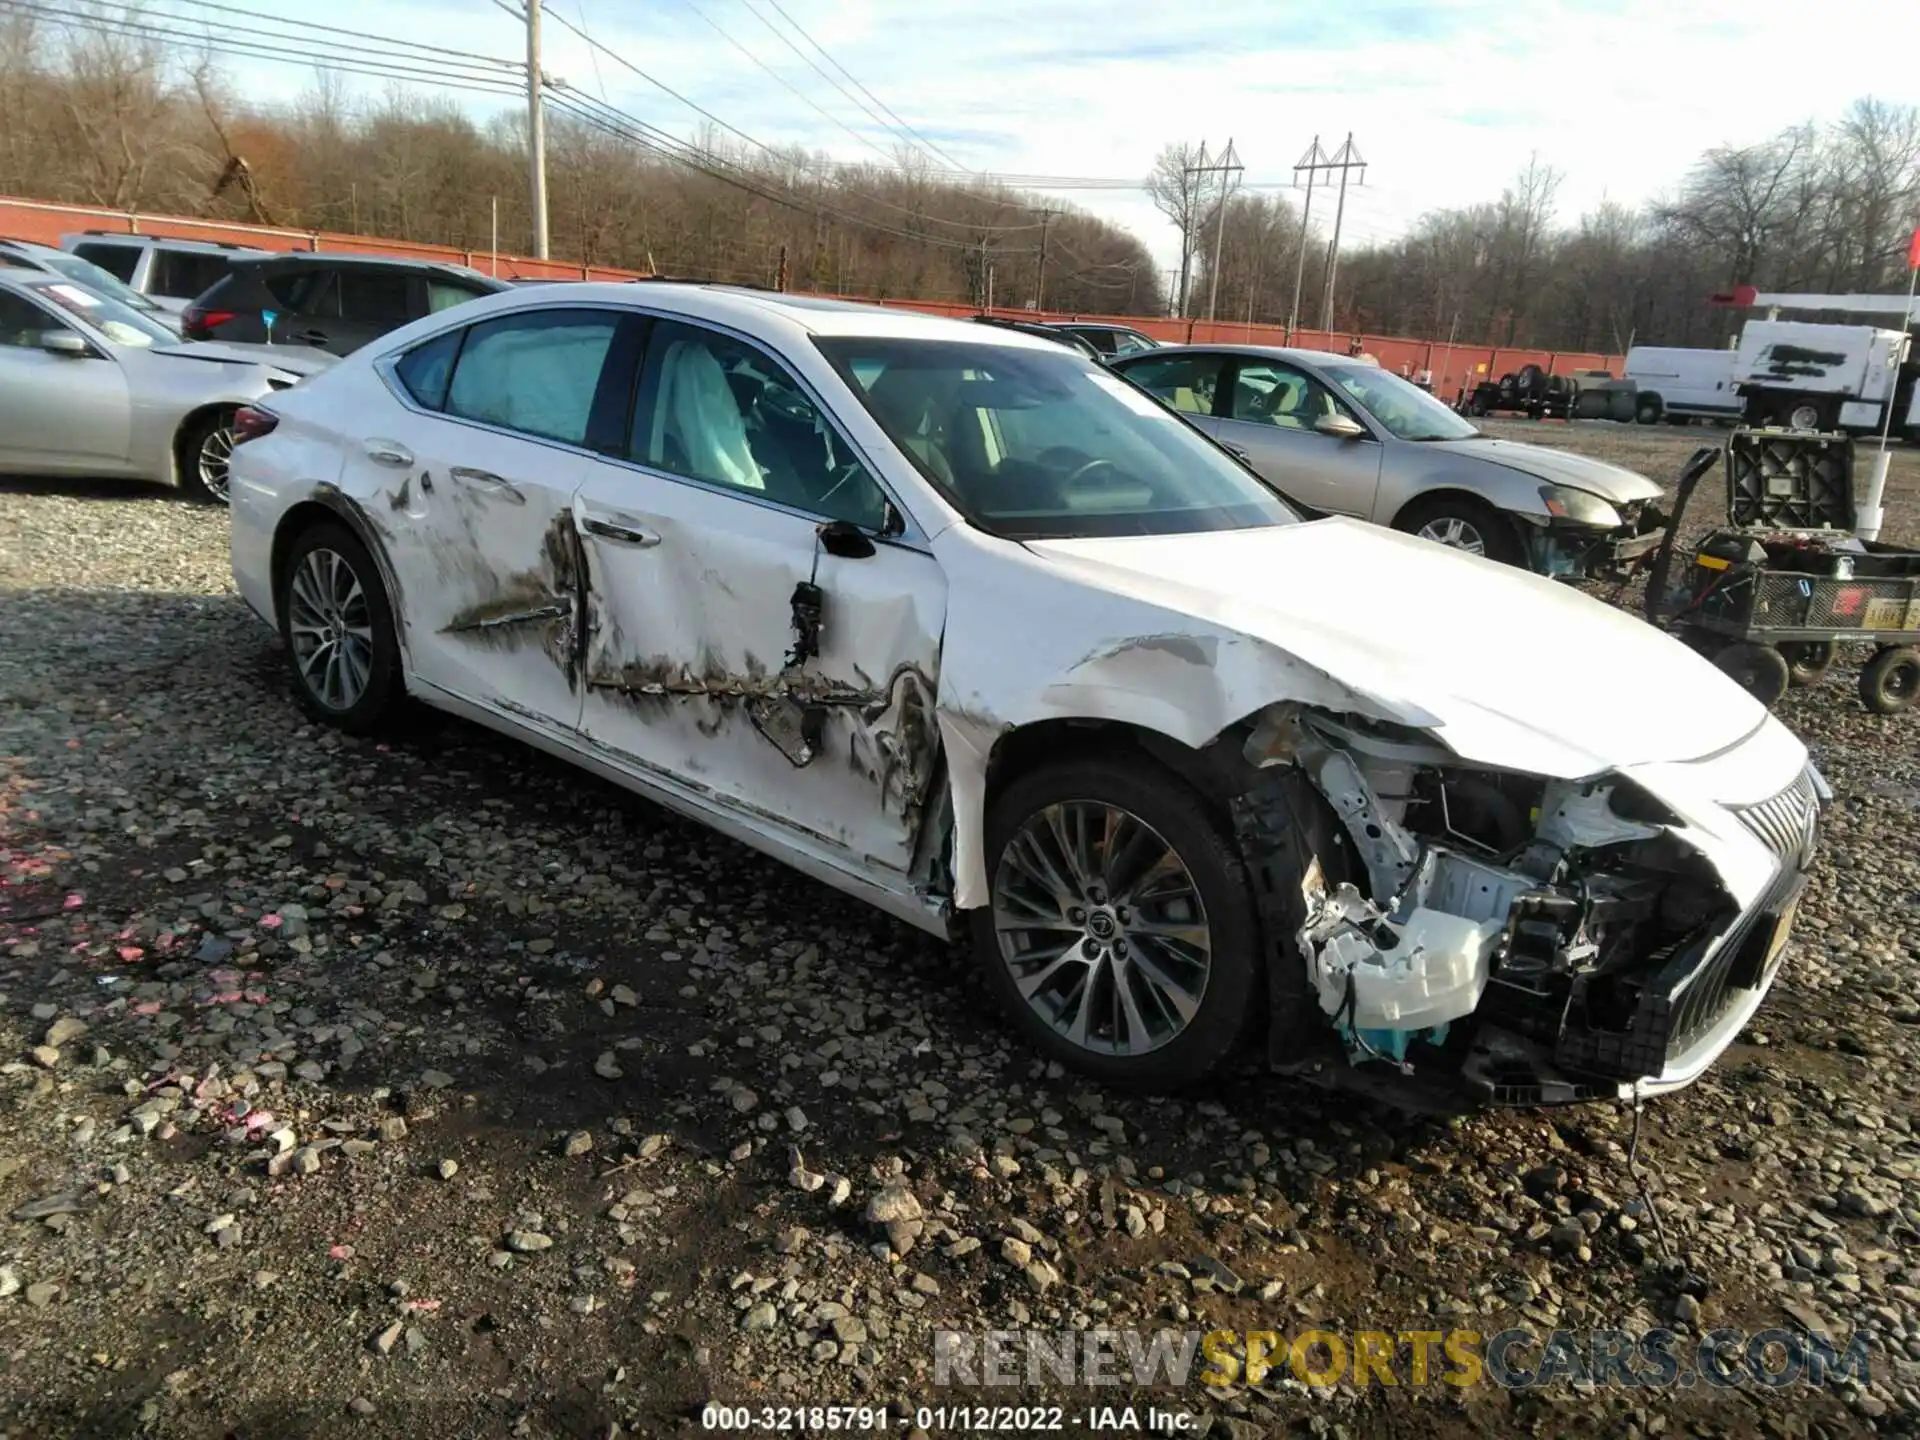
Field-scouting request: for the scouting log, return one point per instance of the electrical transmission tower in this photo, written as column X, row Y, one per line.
column 1344, row 159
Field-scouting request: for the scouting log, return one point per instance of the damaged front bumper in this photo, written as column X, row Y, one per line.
column 1452, row 937
column 1567, row 549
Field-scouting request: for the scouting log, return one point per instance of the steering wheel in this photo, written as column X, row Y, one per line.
column 1080, row 474
column 1062, row 457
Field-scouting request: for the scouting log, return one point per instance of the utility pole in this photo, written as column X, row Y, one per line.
column 1312, row 162
column 1227, row 166
column 536, row 134
column 1040, row 285
column 1344, row 159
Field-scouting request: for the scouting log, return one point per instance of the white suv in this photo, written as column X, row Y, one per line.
column 169, row 272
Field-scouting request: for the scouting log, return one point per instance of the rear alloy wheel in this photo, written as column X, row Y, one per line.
column 338, row 629
column 1760, row 670
column 1121, row 937
column 1808, row 660
column 1462, row 523
column 1891, row 681
column 205, row 456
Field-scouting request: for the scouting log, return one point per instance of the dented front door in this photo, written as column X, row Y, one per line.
column 727, row 645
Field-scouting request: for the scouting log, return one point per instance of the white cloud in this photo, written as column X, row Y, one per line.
column 1445, row 99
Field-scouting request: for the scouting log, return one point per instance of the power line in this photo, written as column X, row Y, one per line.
column 927, row 145
column 380, row 70
column 302, row 31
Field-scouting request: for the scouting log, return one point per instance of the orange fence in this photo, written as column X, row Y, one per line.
column 1450, row 366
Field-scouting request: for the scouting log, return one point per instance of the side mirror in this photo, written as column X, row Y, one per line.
column 1341, row 427
column 845, row 539
column 64, row 342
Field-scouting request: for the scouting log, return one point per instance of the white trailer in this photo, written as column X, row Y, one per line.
column 1682, row 384
column 1824, row 377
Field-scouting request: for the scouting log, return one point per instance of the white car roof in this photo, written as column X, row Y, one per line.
column 751, row 310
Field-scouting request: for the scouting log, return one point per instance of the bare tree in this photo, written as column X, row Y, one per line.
column 1180, row 194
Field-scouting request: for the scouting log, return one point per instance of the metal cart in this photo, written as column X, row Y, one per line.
column 1771, row 596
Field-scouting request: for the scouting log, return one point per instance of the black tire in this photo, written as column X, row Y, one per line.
column 379, row 697
column 203, row 473
column 1808, row 660
column 1647, row 410
column 1891, row 680
column 1175, row 813
column 1760, row 670
column 1498, row 538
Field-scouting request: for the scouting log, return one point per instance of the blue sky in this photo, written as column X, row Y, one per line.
column 1618, row 94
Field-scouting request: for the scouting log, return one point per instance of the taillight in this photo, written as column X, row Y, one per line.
column 251, row 424
column 197, row 323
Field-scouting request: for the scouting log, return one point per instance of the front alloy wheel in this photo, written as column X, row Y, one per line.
column 1102, row 927
column 1455, row 533
column 1120, row 935
column 216, row 453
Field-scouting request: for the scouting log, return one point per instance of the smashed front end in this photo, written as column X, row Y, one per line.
column 1585, row 538
column 1453, row 936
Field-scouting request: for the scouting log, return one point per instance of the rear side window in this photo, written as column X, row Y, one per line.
column 536, row 373
column 184, row 274
column 377, row 297
column 117, row 260
column 423, row 372
column 304, row 292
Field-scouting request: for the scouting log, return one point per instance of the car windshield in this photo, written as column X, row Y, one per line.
column 121, row 324
column 1040, row 444
column 104, row 282
column 1407, row 411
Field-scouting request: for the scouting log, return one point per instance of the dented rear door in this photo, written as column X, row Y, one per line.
column 476, row 505
column 728, row 646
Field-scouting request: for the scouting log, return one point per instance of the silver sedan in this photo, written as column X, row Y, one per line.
column 1345, row 437
column 89, row 386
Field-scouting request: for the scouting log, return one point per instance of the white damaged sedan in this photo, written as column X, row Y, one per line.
column 962, row 624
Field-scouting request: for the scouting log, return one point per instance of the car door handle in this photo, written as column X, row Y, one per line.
column 624, row 532
column 486, row 479
column 1233, row 450
column 387, row 452
column 312, row 337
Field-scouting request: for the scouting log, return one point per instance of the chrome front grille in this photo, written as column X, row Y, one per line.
column 1783, row 824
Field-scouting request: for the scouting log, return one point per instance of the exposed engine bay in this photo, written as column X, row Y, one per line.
column 1514, row 938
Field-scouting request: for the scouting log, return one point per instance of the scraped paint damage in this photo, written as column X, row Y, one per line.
column 544, row 605
column 885, row 731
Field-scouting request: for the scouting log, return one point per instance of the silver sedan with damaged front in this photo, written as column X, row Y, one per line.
column 959, row 623
column 92, row 387
column 1343, row 436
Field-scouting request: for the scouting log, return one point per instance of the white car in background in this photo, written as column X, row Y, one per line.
column 89, row 386
column 960, row 623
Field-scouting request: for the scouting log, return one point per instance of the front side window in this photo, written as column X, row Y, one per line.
column 1407, row 411
column 1266, row 393
column 118, row 261
column 1035, row 444
column 22, row 323
column 1186, row 382
column 714, row 409
column 184, row 274
column 536, row 372
column 444, row 295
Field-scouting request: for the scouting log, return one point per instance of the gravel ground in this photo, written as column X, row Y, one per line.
column 430, row 1088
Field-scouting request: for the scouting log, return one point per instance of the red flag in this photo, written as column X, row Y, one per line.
column 1913, row 252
